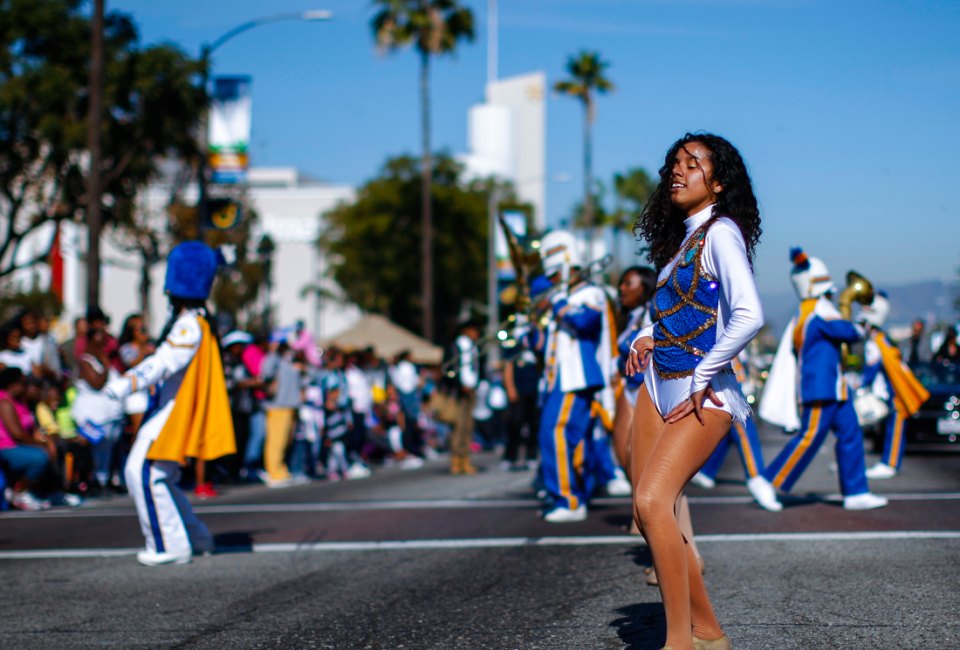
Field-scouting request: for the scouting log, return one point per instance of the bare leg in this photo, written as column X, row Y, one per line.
column 674, row 457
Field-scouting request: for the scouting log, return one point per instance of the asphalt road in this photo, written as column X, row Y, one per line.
column 421, row 559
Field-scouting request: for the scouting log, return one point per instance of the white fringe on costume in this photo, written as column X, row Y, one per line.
column 668, row 393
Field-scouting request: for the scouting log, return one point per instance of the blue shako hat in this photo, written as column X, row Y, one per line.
column 191, row 267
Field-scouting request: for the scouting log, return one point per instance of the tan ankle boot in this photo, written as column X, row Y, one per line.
column 456, row 464
column 467, row 466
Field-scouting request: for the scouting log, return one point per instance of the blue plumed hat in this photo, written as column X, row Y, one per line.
column 191, row 268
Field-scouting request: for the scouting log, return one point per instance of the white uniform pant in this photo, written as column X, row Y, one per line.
column 166, row 518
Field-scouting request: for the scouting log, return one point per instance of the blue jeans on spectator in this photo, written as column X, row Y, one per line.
column 253, row 455
column 24, row 460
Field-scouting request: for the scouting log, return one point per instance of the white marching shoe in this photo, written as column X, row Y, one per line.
column 702, row 480
column 764, row 494
column 865, row 501
column 565, row 515
column 881, row 471
column 619, row 486
column 154, row 558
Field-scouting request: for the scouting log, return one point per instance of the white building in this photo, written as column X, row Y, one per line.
column 507, row 137
column 290, row 209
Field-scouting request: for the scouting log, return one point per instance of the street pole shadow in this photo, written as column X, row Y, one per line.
column 642, row 626
column 234, row 542
column 797, row 500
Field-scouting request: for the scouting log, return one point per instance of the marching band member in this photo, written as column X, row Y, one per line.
column 189, row 416
column 577, row 346
column 905, row 394
column 702, row 224
column 815, row 336
column 747, row 440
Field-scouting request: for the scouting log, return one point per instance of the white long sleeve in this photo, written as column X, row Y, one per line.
column 173, row 355
column 740, row 314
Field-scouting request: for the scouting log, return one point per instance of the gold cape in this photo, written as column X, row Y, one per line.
column 908, row 393
column 200, row 425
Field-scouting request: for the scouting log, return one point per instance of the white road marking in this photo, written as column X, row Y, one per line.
column 414, row 504
column 494, row 542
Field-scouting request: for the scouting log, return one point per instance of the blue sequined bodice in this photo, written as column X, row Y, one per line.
column 685, row 310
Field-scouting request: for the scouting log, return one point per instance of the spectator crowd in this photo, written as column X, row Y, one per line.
column 299, row 413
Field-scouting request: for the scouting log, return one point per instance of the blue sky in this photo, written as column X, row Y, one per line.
column 845, row 111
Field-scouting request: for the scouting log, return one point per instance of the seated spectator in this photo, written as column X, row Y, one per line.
column 135, row 346
column 12, row 354
column 68, row 349
column 75, row 461
column 401, row 434
column 39, row 345
column 99, row 418
column 405, row 377
column 26, row 453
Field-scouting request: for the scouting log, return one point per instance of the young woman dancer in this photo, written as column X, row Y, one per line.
column 702, row 224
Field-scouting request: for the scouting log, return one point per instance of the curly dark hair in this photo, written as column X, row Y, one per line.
column 661, row 223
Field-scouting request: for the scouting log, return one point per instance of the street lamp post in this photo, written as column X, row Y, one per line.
column 95, row 113
column 206, row 51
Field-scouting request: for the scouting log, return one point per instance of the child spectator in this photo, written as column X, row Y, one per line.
column 73, row 452
column 338, row 421
column 308, row 437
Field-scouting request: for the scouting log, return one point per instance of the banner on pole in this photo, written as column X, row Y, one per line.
column 229, row 129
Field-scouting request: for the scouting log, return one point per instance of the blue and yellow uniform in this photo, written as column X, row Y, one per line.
column 744, row 435
column 573, row 344
column 905, row 394
column 818, row 332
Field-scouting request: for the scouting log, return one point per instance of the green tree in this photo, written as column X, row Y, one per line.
column 586, row 79
column 631, row 190
column 432, row 27
column 152, row 106
column 371, row 242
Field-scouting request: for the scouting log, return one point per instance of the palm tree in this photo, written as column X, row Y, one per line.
column 433, row 27
column 586, row 71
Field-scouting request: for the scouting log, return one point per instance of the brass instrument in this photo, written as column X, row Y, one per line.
column 858, row 289
column 537, row 308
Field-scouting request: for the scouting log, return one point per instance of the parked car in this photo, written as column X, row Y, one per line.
column 937, row 423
